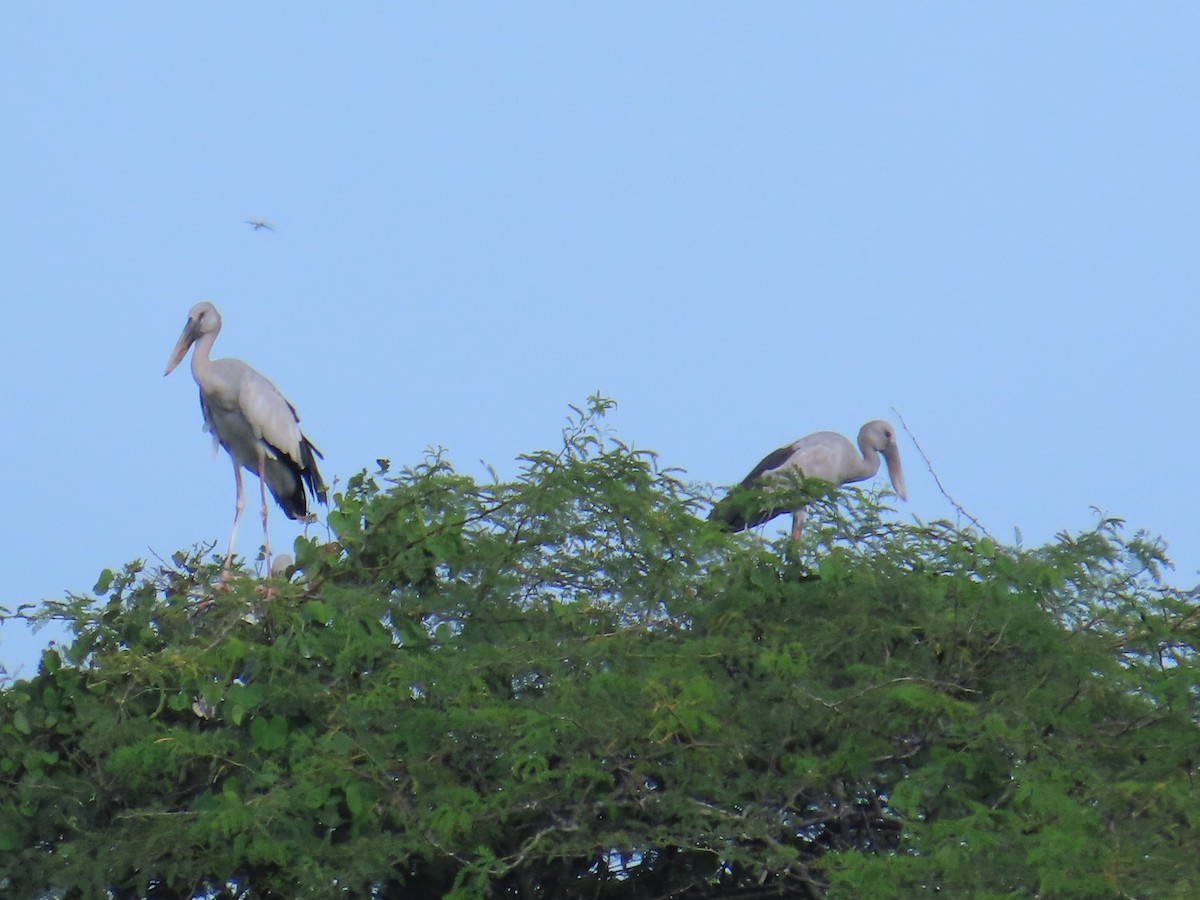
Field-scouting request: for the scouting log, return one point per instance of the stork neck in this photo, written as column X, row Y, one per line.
column 200, row 355
column 870, row 459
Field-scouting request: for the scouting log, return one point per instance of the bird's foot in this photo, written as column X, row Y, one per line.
column 210, row 598
column 280, row 570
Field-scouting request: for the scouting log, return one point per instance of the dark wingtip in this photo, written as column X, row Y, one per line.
column 291, row 493
column 312, row 477
column 745, row 507
column 726, row 514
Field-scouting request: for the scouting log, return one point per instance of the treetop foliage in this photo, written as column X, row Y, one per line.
column 571, row 684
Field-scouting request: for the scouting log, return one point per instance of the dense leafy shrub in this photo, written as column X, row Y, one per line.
column 571, row 684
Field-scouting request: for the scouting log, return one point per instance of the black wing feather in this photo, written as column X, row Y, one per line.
column 287, row 479
column 770, row 462
column 742, row 507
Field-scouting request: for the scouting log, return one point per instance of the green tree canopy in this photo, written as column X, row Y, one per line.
column 571, row 684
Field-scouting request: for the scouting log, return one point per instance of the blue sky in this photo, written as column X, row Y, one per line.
column 744, row 222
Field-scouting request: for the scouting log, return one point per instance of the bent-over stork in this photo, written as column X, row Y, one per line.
column 825, row 455
column 246, row 414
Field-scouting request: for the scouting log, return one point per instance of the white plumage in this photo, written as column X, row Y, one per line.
column 248, row 416
column 826, row 455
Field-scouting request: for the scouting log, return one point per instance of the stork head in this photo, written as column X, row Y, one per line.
column 203, row 319
column 881, row 437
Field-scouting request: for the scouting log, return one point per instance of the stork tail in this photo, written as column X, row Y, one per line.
column 288, row 480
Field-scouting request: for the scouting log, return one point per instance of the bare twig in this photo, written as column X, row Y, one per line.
column 938, row 481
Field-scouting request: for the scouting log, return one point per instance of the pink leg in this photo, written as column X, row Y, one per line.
column 262, row 486
column 237, row 516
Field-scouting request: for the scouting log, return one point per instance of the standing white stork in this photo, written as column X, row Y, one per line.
column 825, row 455
column 246, row 414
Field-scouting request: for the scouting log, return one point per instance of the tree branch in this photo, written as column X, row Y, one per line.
column 957, row 506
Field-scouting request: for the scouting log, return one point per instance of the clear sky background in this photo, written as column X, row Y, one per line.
column 743, row 221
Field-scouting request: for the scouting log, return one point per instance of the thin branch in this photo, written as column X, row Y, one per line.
column 938, row 481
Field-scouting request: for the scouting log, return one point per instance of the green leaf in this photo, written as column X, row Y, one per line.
column 269, row 734
column 103, row 582
column 360, row 797
column 319, row 611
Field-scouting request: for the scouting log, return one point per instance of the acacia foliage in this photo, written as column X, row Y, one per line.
column 570, row 684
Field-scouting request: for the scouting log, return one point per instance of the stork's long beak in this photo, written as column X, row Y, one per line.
column 191, row 331
column 891, row 454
